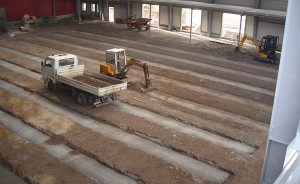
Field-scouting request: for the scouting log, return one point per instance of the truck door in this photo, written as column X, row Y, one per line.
column 47, row 69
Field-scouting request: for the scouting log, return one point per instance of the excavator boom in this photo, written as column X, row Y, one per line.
column 138, row 63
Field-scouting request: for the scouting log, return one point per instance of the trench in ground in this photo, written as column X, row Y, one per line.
column 186, row 163
column 80, row 162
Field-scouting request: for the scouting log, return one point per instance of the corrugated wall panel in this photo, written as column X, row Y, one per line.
column 15, row 9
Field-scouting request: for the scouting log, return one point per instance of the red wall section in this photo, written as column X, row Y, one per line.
column 15, row 9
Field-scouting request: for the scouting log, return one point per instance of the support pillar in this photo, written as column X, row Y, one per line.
column 150, row 21
column 240, row 30
column 209, row 22
column 128, row 8
column 191, row 24
column 101, row 9
column 286, row 109
column 170, row 17
column 255, row 26
column 256, row 19
column 78, row 8
column 54, row 7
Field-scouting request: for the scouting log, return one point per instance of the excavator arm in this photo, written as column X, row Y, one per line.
column 251, row 38
column 131, row 62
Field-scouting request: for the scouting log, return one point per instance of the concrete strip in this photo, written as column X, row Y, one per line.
column 18, row 69
column 184, row 52
column 28, row 56
column 194, row 63
column 6, row 176
column 210, row 92
column 213, row 138
column 80, row 162
column 208, row 77
column 188, row 164
column 212, row 111
column 160, row 78
column 184, row 128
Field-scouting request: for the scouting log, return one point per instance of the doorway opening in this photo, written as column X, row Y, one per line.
column 231, row 26
column 186, row 20
column 154, row 14
column 111, row 14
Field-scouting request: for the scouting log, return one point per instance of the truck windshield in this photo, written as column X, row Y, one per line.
column 67, row 61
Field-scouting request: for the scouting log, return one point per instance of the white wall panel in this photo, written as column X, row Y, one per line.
column 265, row 28
column 163, row 15
column 249, row 25
column 120, row 11
column 204, row 21
column 176, row 17
column 216, row 23
column 136, row 9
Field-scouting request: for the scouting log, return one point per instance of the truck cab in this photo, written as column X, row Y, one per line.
column 54, row 64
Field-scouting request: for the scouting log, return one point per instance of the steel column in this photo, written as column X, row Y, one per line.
column 128, row 8
column 170, row 17
column 150, row 21
column 191, row 24
column 209, row 22
column 78, row 6
column 240, row 30
column 286, row 109
column 54, row 7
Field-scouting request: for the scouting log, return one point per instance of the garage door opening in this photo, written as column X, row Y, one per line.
column 231, row 26
column 111, row 13
column 154, row 14
column 186, row 20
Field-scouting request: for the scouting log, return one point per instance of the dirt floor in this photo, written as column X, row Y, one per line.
column 204, row 119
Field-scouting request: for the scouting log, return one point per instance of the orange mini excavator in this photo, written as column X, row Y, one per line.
column 116, row 65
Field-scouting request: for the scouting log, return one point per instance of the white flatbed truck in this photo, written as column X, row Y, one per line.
column 63, row 71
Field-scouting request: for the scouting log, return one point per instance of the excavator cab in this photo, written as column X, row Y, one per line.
column 269, row 45
column 115, row 61
column 116, row 65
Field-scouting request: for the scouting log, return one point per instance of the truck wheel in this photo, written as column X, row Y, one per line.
column 51, row 85
column 81, row 99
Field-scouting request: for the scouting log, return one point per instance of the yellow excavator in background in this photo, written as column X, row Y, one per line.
column 265, row 50
column 116, row 65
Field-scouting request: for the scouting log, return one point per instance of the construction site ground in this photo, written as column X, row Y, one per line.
column 204, row 120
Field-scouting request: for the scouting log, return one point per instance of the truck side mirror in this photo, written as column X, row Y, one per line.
column 42, row 63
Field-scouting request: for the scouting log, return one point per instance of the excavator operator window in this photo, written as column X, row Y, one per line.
column 110, row 58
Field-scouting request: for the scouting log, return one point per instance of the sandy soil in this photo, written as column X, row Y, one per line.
column 244, row 168
column 33, row 163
